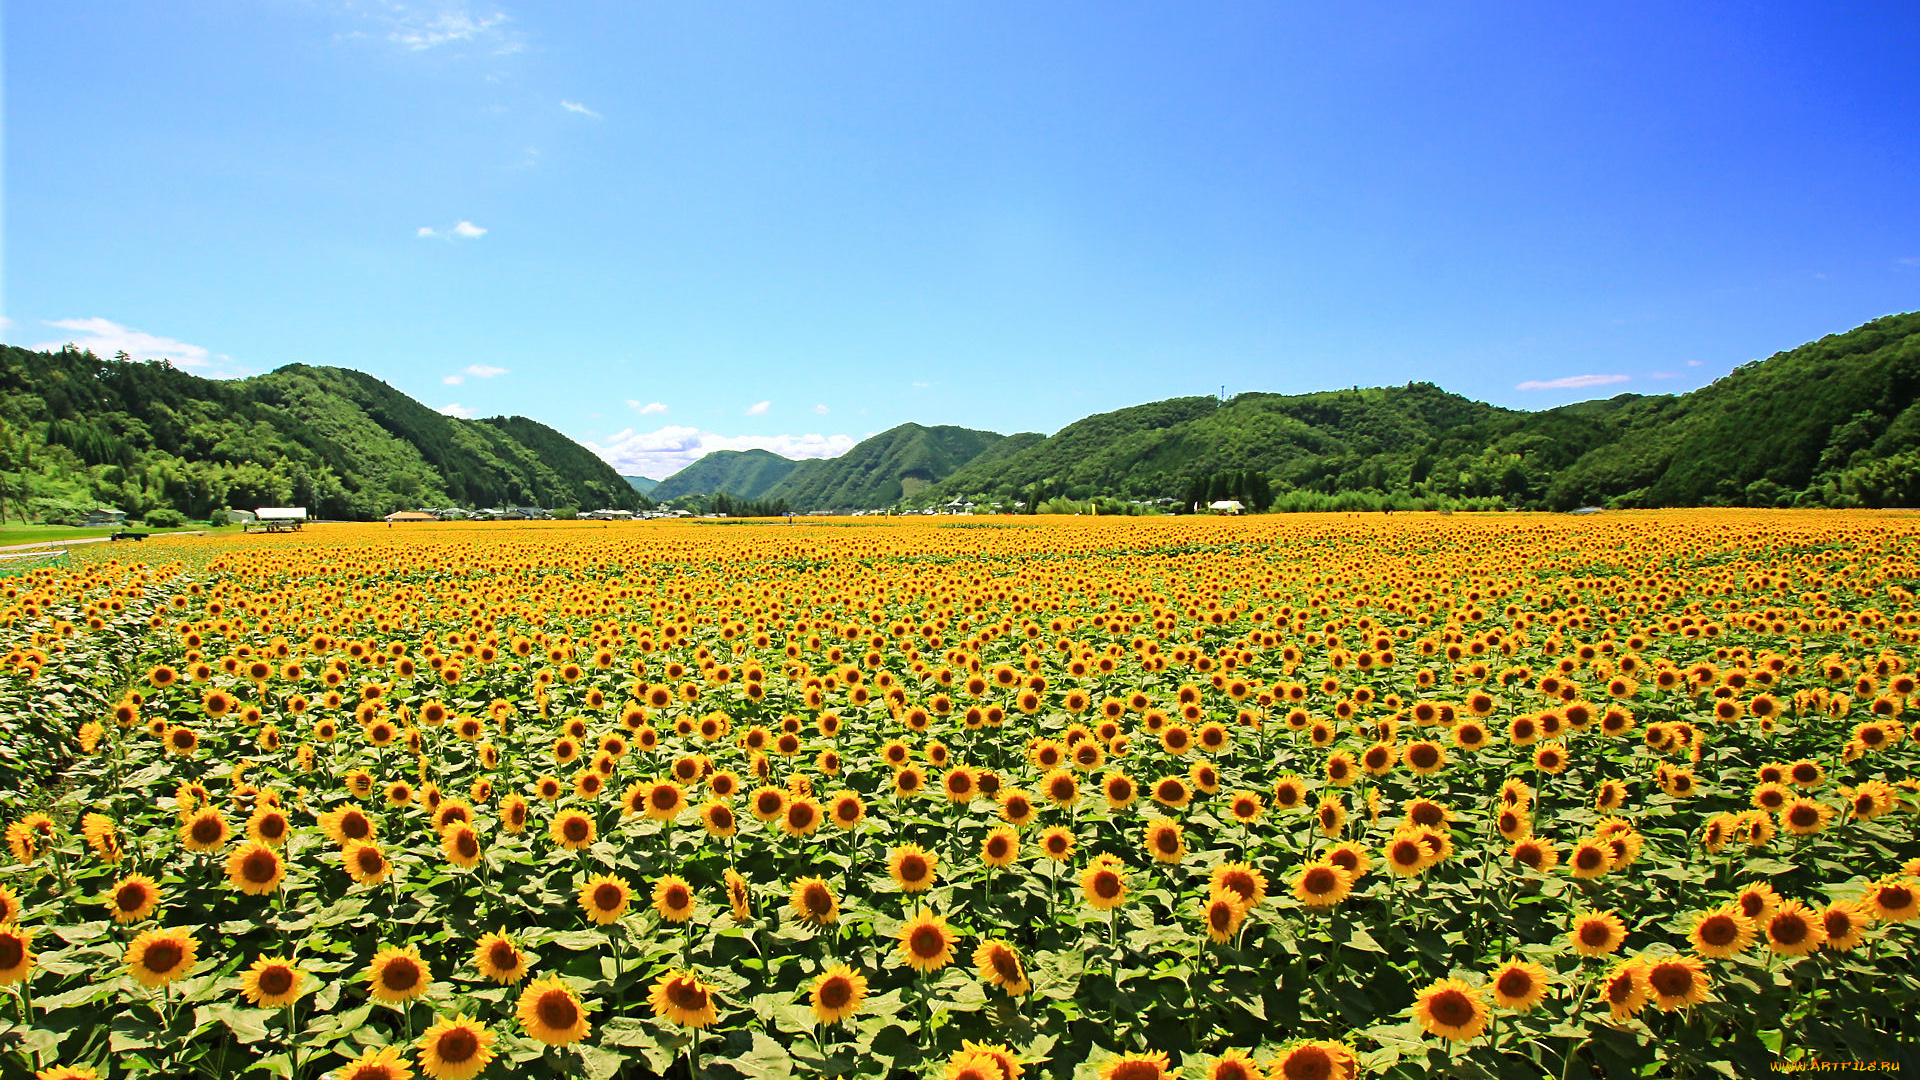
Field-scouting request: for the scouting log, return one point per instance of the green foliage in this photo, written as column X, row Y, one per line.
column 880, row 471
column 77, row 431
column 744, row 474
column 166, row 517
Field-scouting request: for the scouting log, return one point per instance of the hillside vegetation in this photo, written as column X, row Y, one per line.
column 77, row 431
column 746, row 474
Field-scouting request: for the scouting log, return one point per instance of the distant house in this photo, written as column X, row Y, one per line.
column 411, row 515
column 1225, row 506
column 104, row 517
column 525, row 513
column 452, row 513
column 240, row 517
column 607, row 515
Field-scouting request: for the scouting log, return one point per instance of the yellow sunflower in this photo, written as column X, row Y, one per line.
column 132, row 898
column 366, row 863
column 255, row 869
column 1793, row 930
column 1519, row 985
column 1242, row 880
column 1136, row 1067
column 999, row 965
column 16, row 953
column 1103, row 883
column 549, row 1011
column 1223, row 912
column 461, row 845
column 680, row 997
column 379, row 1063
column 1318, row 1059
column 1451, row 1009
column 398, row 975
column 1675, row 982
column 926, row 944
column 813, row 901
column 1721, row 932
column 673, row 898
column 158, row 957
column 1597, row 933
column 604, row 898
column 572, row 830
column 272, row 982
column 837, row 993
column 912, row 867
column 496, row 957
column 1322, row 885
column 456, row 1048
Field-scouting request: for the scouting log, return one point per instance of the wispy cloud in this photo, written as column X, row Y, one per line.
column 759, row 408
column 477, row 371
column 5, row 323
column 666, row 451
column 821, row 410
column 456, row 409
column 1571, row 382
column 104, row 337
column 576, row 107
column 465, row 230
column 430, row 25
column 651, row 408
column 1908, row 262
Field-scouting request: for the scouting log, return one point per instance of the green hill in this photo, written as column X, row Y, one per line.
column 77, row 431
column 745, row 474
column 1832, row 423
column 898, row 463
column 642, row 484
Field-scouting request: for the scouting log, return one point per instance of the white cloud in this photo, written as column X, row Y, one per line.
column 669, row 449
column 104, row 337
column 5, row 323
column 482, row 371
column 921, row 385
column 453, row 380
column 759, row 408
column 651, row 408
column 465, row 230
column 1695, row 363
column 1571, row 382
column 418, row 27
column 576, row 107
column 457, row 409
column 821, row 410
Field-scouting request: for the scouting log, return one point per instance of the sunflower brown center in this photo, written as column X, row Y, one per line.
column 260, row 867
column 1452, row 1008
column 1515, row 984
column 1106, row 884
column 687, row 994
column 1671, row 980
column 926, row 942
column 1136, row 1070
column 608, row 897
column 276, row 980
column 836, row 992
column 1321, row 880
column 818, row 900
column 503, row 957
column 12, row 951
column 1307, row 1063
column 1595, row 934
column 400, row 975
column 371, row 861
column 206, row 830
column 575, row 829
column 913, row 868
column 355, row 827
column 457, row 1045
column 131, row 897
column 1789, row 929
column 163, row 956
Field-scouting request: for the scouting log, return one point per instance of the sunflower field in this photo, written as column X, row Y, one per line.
column 1293, row 797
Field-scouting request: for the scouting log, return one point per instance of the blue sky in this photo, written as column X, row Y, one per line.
column 670, row 227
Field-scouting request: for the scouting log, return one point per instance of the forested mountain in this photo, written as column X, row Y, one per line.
column 897, row 463
column 1832, row 423
column 642, row 484
column 746, row 474
column 77, row 431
